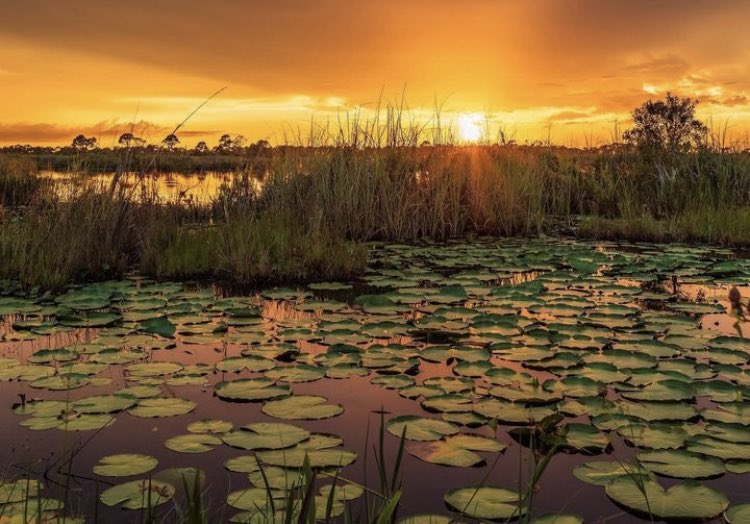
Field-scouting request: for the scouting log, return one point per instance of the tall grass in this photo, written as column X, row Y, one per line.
column 20, row 184
column 319, row 204
column 412, row 193
column 96, row 234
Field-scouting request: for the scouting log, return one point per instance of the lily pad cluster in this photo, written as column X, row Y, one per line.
column 487, row 339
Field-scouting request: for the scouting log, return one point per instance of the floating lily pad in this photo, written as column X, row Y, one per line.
column 138, row 494
column 125, row 465
column 688, row 500
column 302, row 407
column 265, row 435
column 420, row 428
column 485, row 502
column 193, row 443
column 251, row 389
column 208, row 425
column 162, row 407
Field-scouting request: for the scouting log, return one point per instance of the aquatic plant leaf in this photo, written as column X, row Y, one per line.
column 558, row 518
column 251, row 389
column 295, row 457
column 601, row 472
column 256, row 500
column 193, row 443
column 456, row 451
column 208, row 425
column 138, row 494
column 584, row 437
column 162, row 407
column 427, row 519
column 86, row 422
column 124, row 465
column 296, row 373
column 687, row 500
column 265, row 435
column 302, row 407
column 485, row 502
column 250, row 363
column 738, row 514
column 161, row 326
column 679, row 463
column 19, row 490
column 420, row 428
column 345, row 491
column 103, row 404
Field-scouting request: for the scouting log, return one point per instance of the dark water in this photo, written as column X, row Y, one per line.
column 39, row 453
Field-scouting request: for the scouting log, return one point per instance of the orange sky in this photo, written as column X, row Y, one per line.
column 571, row 68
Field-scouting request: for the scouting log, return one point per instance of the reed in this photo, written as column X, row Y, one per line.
column 309, row 211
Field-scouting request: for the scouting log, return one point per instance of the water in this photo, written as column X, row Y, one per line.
column 168, row 187
column 584, row 287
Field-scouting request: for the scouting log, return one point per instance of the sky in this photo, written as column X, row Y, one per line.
column 567, row 70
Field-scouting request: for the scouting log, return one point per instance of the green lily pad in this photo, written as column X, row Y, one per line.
column 485, row 502
column 208, row 425
column 138, row 494
column 251, row 389
column 681, row 464
column 601, row 472
column 687, row 500
column 162, row 407
column 420, row 428
column 193, row 443
column 738, row 514
column 125, row 465
column 302, row 407
column 265, row 435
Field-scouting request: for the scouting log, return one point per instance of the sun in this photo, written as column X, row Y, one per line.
column 470, row 126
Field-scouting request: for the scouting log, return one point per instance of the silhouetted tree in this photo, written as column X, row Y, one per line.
column 83, row 143
column 667, row 124
column 170, row 141
column 201, row 147
column 262, row 144
column 225, row 142
column 130, row 140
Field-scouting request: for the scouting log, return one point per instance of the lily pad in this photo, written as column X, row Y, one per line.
column 687, row 500
column 302, row 407
column 485, row 502
column 138, row 494
column 125, row 465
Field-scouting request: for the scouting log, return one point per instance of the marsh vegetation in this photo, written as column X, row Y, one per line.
column 380, row 330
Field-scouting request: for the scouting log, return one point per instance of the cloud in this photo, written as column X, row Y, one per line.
column 664, row 66
column 284, row 61
column 106, row 132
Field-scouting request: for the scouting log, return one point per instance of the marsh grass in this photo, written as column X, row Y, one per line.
column 417, row 193
column 305, row 212
column 20, row 183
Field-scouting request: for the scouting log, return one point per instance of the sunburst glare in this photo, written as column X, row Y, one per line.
column 470, row 126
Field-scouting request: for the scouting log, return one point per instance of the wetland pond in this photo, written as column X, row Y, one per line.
column 169, row 187
column 625, row 365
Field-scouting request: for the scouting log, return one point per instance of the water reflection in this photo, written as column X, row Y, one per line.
column 167, row 187
column 208, row 338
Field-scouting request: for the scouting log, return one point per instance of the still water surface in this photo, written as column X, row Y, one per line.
column 482, row 270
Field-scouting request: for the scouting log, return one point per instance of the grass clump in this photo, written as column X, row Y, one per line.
column 305, row 214
column 20, row 183
column 720, row 226
column 413, row 193
column 97, row 234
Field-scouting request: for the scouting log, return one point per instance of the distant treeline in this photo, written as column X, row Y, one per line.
column 146, row 159
column 318, row 209
column 251, row 159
